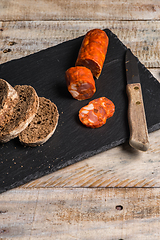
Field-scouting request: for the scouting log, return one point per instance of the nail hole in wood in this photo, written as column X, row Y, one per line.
column 3, row 230
column 138, row 102
column 7, row 50
column 119, row 207
column 1, row 211
column 136, row 88
column 12, row 43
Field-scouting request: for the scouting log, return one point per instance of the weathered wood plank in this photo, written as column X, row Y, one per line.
column 21, row 38
column 80, row 214
column 76, row 10
column 118, row 167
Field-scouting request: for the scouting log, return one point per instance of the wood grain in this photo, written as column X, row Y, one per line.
column 42, row 210
column 122, row 166
column 75, row 10
column 80, row 214
column 21, row 38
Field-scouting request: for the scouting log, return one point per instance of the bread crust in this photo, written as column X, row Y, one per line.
column 42, row 126
column 15, row 126
column 8, row 100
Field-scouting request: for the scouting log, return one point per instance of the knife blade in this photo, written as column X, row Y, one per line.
column 136, row 113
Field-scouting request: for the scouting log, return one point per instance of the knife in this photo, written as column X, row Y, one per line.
column 136, row 113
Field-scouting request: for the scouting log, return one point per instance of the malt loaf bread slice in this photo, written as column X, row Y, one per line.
column 8, row 100
column 23, row 113
column 42, row 126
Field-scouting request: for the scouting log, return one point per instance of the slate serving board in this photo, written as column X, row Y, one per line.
column 72, row 141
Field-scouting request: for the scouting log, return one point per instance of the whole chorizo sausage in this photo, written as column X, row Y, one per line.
column 93, row 51
column 80, row 82
column 95, row 114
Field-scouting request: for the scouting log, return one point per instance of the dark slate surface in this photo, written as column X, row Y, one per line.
column 72, row 141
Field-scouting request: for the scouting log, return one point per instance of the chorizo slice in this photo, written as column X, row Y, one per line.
column 93, row 51
column 80, row 82
column 95, row 114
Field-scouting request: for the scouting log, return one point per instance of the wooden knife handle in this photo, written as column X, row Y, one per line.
column 136, row 118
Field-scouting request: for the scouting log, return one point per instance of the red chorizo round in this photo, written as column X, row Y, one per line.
column 95, row 114
column 80, row 82
column 93, row 51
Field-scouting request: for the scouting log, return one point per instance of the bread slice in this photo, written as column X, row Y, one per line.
column 42, row 126
column 8, row 100
column 23, row 113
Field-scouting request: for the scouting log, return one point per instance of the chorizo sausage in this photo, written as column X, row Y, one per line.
column 80, row 82
column 95, row 114
column 93, row 51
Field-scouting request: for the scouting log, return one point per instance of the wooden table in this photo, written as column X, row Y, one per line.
column 115, row 194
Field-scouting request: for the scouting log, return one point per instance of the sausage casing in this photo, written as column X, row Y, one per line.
column 93, row 51
column 80, row 82
column 95, row 114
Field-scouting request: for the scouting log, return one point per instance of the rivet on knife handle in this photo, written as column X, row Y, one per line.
column 136, row 118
